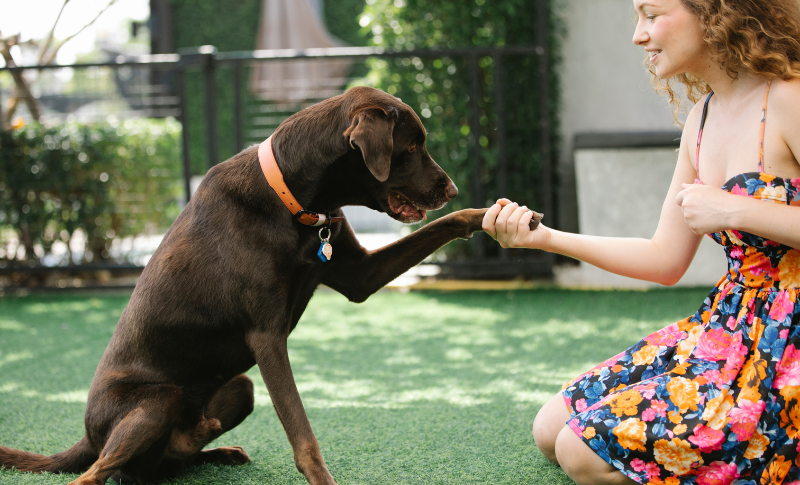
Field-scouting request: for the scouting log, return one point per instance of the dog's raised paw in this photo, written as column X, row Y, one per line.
column 537, row 218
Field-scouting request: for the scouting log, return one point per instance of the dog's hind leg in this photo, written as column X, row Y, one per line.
column 134, row 435
column 230, row 405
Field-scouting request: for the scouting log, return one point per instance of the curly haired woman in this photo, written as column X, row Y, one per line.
column 713, row 398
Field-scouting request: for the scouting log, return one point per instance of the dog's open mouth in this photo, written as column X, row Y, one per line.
column 404, row 209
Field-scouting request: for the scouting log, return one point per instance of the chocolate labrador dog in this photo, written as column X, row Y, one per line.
column 232, row 277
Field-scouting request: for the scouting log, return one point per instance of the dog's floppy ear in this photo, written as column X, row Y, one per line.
column 370, row 130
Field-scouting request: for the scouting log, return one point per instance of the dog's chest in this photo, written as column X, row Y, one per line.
column 307, row 271
column 304, row 281
column 316, row 246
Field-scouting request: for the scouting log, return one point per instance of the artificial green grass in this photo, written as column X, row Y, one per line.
column 416, row 388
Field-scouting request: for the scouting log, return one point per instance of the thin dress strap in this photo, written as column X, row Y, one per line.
column 763, row 126
column 700, row 137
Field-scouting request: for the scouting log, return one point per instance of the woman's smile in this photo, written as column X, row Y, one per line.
column 653, row 55
column 669, row 34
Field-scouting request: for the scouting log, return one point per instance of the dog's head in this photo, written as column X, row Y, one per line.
column 391, row 140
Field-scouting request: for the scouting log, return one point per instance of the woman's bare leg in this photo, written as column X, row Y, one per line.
column 583, row 465
column 548, row 423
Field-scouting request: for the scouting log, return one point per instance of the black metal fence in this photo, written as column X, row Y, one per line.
column 216, row 98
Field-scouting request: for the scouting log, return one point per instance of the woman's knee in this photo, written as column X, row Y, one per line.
column 582, row 464
column 548, row 423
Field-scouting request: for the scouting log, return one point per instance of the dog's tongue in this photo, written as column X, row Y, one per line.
column 401, row 206
column 410, row 211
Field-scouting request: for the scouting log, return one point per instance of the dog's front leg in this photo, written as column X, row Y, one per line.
column 273, row 362
column 357, row 273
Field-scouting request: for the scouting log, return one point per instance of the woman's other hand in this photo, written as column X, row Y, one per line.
column 508, row 223
column 706, row 209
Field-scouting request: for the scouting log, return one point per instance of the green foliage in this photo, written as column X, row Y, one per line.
column 196, row 118
column 341, row 19
column 439, row 88
column 229, row 28
column 105, row 181
column 234, row 28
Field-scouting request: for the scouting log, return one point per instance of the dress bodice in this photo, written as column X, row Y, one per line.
column 754, row 261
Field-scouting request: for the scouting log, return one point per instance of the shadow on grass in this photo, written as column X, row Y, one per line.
column 419, row 388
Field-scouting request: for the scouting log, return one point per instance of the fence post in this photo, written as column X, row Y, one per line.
column 475, row 128
column 184, row 119
column 3, row 113
column 237, row 105
column 542, row 40
column 209, row 53
column 500, row 111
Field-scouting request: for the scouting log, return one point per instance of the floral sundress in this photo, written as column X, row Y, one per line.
column 714, row 398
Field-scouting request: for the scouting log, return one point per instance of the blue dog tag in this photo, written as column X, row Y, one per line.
column 325, row 250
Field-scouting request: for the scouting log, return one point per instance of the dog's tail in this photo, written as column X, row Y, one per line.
column 75, row 460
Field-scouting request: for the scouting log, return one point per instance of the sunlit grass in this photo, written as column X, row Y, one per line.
column 418, row 388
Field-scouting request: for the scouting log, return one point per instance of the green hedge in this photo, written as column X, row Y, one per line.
column 107, row 181
column 229, row 28
column 341, row 18
column 234, row 28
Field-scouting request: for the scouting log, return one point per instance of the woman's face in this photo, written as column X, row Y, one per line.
column 672, row 37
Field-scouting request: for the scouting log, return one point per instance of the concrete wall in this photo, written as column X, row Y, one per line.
column 620, row 194
column 605, row 87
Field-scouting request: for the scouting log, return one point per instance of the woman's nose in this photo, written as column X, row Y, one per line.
column 640, row 36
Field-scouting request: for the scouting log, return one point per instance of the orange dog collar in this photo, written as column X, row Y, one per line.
column 275, row 180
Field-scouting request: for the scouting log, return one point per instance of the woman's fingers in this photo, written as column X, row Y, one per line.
column 502, row 222
column 490, row 220
column 679, row 198
column 525, row 220
column 508, row 223
column 512, row 224
column 517, row 228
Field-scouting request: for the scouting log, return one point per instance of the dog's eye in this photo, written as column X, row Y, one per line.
column 412, row 148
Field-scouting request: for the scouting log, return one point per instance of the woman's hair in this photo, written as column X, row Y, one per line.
column 760, row 37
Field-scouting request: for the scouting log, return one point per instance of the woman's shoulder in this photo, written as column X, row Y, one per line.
column 783, row 112
column 784, row 105
column 692, row 124
column 785, row 95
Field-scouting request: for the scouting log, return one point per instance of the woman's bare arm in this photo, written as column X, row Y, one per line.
column 662, row 259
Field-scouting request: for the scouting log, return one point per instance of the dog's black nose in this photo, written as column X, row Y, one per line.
column 451, row 190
